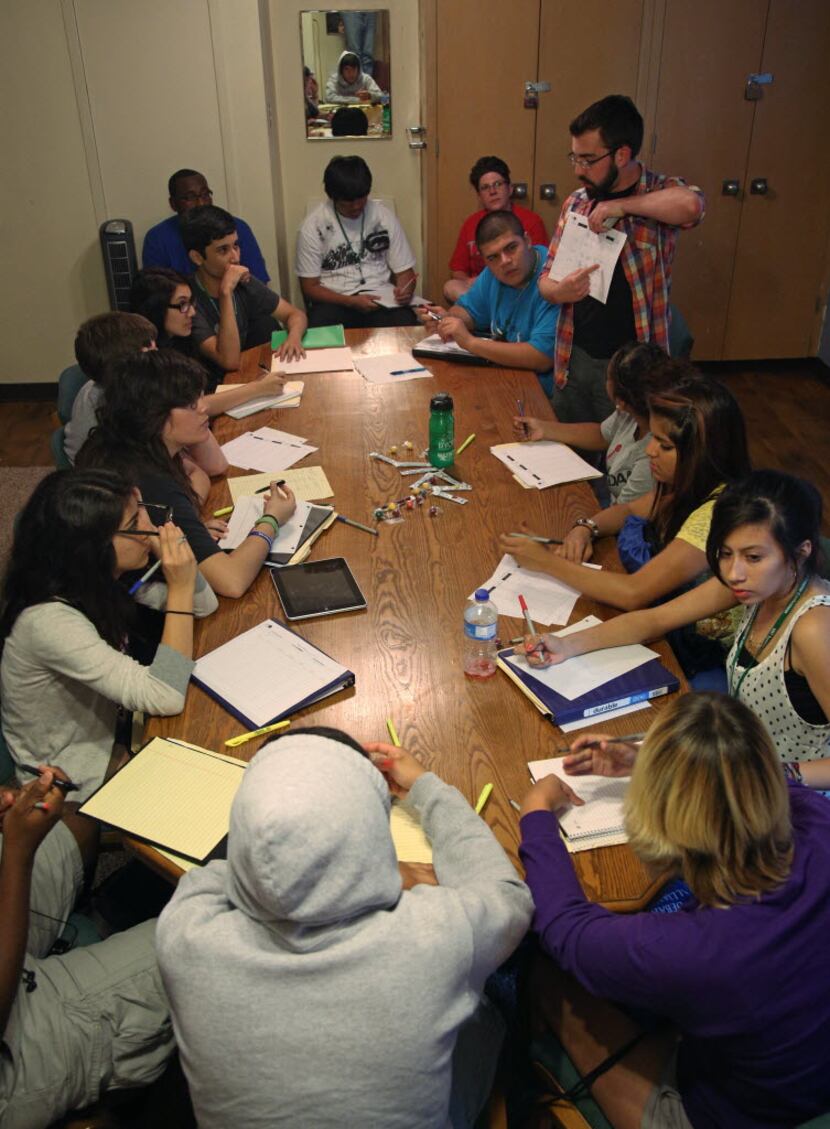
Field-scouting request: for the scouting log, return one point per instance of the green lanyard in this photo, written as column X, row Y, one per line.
column 739, row 645
column 213, row 301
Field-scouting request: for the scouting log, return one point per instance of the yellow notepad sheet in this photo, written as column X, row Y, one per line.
column 175, row 795
column 309, row 484
column 411, row 844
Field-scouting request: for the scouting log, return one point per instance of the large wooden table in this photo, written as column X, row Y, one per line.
column 405, row 648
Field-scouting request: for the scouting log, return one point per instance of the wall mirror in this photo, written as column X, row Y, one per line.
column 346, row 74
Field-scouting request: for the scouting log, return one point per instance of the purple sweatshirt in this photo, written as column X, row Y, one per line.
column 748, row 986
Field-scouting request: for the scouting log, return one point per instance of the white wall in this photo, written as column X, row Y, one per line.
column 396, row 170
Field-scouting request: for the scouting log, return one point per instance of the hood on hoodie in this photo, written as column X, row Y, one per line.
column 309, row 839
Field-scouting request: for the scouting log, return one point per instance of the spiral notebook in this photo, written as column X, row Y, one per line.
column 599, row 823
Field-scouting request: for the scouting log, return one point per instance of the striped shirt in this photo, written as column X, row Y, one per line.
column 646, row 259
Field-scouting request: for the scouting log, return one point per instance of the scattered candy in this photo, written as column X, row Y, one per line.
column 393, row 450
column 434, row 511
column 408, row 445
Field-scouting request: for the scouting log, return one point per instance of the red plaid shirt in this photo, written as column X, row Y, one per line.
column 647, row 261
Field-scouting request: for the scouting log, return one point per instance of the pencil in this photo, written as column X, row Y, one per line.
column 538, row 540
column 357, row 525
column 484, row 796
column 234, row 741
column 630, row 739
column 516, row 806
column 393, row 733
column 465, row 444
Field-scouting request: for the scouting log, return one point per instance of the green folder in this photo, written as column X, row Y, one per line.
column 324, row 337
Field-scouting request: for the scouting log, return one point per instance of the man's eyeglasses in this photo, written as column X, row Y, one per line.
column 183, row 305
column 158, row 515
column 494, row 186
column 195, row 197
column 586, row 162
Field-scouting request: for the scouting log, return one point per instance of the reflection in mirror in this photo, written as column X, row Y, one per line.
column 346, row 74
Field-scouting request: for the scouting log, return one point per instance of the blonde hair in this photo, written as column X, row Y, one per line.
column 708, row 795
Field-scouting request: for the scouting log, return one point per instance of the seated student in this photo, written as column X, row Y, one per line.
column 100, row 340
column 740, row 973
column 349, row 121
column 698, row 445
column 163, row 246
column 349, row 245
column 311, row 93
column 350, row 83
column 76, row 1025
column 763, row 549
column 165, row 298
column 341, row 999
column 490, row 177
column 635, row 372
column 155, row 410
column 503, row 301
column 64, row 619
column 233, row 310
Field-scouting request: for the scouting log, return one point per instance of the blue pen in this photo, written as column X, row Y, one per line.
column 143, row 579
column 407, row 371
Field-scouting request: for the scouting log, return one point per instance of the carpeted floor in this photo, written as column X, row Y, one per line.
column 16, row 485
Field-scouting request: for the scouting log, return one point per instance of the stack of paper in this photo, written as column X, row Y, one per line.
column 309, row 483
column 288, row 398
column 599, row 822
column 435, row 344
column 385, row 296
column 266, row 449
column 543, row 463
column 391, row 368
column 249, row 509
column 315, row 360
column 548, row 600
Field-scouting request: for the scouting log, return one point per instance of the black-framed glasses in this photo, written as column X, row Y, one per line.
column 182, row 305
column 195, row 197
column 158, row 515
column 586, row 162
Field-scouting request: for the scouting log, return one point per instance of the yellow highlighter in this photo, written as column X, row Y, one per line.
column 465, row 444
column 234, row 741
column 393, row 733
column 483, row 798
column 223, row 511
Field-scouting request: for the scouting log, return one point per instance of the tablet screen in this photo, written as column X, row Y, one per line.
column 317, row 588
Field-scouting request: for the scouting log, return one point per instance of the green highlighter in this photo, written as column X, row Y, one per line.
column 323, row 337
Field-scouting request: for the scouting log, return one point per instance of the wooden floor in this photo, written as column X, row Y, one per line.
column 786, row 405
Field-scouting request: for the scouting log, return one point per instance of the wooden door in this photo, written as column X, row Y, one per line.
column 703, row 127
column 478, row 56
column 776, row 303
column 582, row 66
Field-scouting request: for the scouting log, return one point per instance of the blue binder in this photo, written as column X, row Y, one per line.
column 651, row 680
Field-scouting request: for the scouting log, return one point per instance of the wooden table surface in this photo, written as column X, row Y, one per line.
column 406, row 647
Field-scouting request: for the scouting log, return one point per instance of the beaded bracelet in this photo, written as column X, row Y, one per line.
column 269, row 519
column 263, row 536
column 172, row 611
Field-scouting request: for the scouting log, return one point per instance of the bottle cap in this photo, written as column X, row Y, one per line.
column 441, row 402
column 482, row 594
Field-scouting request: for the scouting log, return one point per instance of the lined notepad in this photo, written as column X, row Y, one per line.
column 309, row 483
column 599, row 822
column 411, row 844
column 178, row 797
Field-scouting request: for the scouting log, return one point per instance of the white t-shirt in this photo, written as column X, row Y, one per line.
column 334, row 249
column 627, row 466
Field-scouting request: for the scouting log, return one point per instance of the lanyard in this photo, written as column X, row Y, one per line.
column 741, row 641
column 357, row 256
column 504, row 334
column 213, row 301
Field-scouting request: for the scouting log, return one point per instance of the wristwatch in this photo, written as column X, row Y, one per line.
column 590, row 524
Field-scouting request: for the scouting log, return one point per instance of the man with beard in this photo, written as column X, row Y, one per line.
column 617, row 191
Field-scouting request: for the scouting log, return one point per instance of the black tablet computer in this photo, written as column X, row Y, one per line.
column 317, row 588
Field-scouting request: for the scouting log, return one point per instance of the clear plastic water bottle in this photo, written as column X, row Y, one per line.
column 441, row 430
column 480, row 620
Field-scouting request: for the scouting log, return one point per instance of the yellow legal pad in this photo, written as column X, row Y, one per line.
column 178, row 798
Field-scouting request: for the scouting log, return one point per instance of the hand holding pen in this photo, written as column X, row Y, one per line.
column 427, row 314
column 603, row 755
column 27, row 815
column 280, row 501
column 403, row 293
column 527, row 427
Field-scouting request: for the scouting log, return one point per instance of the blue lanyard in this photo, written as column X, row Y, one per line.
column 504, row 334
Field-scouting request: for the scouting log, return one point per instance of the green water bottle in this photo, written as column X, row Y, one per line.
column 441, row 430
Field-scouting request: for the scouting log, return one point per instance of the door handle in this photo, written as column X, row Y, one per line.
column 759, row 186
column 731, row 188
column 547, row 191
column 416, row 131
column 520, row 191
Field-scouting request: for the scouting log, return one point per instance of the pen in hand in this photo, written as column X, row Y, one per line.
column 33, row 770
column 520, row 404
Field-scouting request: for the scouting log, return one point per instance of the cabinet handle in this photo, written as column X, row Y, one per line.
column 547, row 191
column 730, row 188
column 759, row 186
column 520, row 191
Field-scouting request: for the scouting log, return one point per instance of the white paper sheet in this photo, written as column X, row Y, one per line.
column 578, row 676
column 316, row 360
column 580, row 247
column 288, row 398
column 599, row 821
column 266, row 671
column 548, row 600
column 391, row 368
column 386, row 296
column 259, row 451
column 544, row 463
column 248, row 510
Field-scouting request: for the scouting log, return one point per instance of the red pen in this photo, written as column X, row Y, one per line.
column 526, row 614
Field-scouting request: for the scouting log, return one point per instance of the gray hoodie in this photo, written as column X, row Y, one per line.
column 338, row 90
column 307, row 989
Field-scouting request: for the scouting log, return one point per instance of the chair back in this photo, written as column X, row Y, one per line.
column 58, row 453
column 70, row 383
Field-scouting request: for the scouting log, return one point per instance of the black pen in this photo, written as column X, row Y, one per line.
column 33, row 770
column 262, row 489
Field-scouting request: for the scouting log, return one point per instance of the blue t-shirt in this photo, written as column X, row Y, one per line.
column 512, row 314
column 163, row 247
